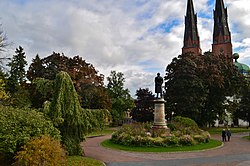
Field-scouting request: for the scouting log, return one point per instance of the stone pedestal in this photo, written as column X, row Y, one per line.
column 159, row 114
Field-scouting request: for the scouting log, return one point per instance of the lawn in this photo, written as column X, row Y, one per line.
column 105, row 131
column 211, row 144
column 72, row 161
column 83, row 161
column 217, row 130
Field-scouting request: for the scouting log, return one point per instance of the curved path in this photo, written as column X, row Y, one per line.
column 235, row 152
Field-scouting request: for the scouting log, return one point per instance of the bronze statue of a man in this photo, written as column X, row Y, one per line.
column 158, row 85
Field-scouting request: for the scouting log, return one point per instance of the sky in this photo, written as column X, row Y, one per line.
column 136, row 37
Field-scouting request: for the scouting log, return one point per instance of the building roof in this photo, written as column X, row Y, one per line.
column 243, row 68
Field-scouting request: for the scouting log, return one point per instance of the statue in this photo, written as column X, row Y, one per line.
column 158, row 83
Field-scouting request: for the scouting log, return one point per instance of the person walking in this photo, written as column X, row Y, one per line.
column 228, row 133
column 223, row 135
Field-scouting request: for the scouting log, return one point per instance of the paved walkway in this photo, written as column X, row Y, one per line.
column 235, row 152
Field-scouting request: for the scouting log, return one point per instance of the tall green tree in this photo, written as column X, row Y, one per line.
column 17, row 70
column 184, row 86
column 144, row 106
column 243, row 112
column 36, row 69
column 66, row 113
column 197, row 86
column 120, row 97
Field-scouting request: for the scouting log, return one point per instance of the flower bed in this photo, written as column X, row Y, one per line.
column 182, row 134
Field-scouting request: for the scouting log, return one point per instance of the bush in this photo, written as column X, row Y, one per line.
column 199, row 138
column 156, row 141
column 20, row 125
column 97, row 118
column 42, row 150
column 161, row 132
column 171, row 141
column 137, row 135
column 133, row 129
column 186, row 140
column 171, row 126
column 185, row 125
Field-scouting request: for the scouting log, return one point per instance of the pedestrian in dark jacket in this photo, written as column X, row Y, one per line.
column 223, row 135
column 228, row 133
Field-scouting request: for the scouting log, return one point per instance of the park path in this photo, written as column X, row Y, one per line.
column 237, row 147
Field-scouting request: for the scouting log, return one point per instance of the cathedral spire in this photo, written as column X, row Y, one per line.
column 221, row 34
column 191, row 37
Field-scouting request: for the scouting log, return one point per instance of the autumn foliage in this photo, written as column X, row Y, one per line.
column 43, row 150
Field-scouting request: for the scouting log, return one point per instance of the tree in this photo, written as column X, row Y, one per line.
column 36, row 69
column 79, row 70
column 3, row 45
column 243, row 112
column 184, row 87
column 94, row 97
column 88, row 83
column 3, row 93
column 144, row 107
column 197, row 86
column 3, row 40
column 66, row 113
column 120, row 97
column 17, row 70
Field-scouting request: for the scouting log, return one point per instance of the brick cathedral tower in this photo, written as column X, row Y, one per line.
column 221, row 35
column 191, row 37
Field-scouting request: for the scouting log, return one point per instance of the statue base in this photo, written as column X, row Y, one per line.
column 160, row 126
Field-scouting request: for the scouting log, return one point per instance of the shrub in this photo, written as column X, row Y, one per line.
column 97, row 118
column 158, row 132
column 199, row 138
column 187, row 126
column 171, row 126
column 42, row 150
column 204, row 137
column 171, row 141
column 186, row 140
column 137, row 135
column 177, row 133
column 133, row 129
column 20, row 125
column 157, row 141
column 147, row 126
column 185, row 122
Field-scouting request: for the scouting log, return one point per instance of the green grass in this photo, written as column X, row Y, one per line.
column 211, row 144
column 83, row 161
column 247, row 137
column 72, row 161
column 217, row 130
column 105, row 131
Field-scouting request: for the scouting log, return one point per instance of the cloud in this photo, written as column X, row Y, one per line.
column 239, row 13
column 138, row 38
